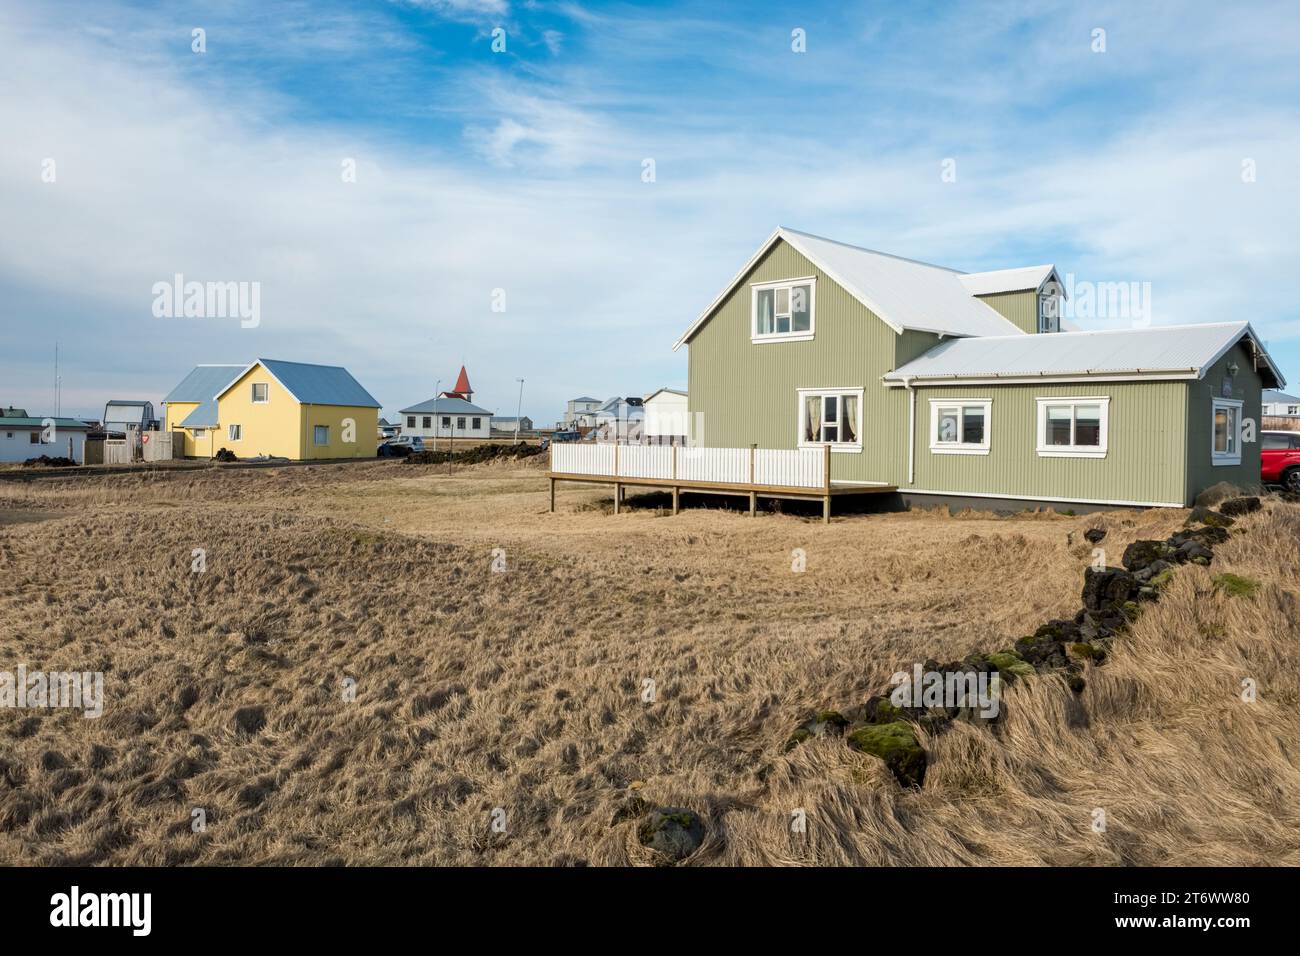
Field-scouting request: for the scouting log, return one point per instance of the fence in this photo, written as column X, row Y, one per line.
column 161, row 446
column 763, row 467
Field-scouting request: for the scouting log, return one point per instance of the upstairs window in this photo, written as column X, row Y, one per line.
column 959, row 426
column 1049, row 313
column 783, row 311
column 1226, row 448
column 260, row 393
column 1073, row 427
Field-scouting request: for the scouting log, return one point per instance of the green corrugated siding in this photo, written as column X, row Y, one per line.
column 1018, row 307
column 742, row 394
column 1144, row 459
column 1247, row 385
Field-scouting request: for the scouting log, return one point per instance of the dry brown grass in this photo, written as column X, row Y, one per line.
column 521, row 690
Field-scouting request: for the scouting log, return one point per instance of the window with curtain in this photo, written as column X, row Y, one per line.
column 783, row 309
column 1226, row 426
column 831, row 417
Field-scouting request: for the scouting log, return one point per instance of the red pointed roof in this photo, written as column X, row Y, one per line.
column 462, row 389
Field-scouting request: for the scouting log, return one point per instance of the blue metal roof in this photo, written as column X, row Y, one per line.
column 205, row 416
column 318, row 384
column 203, row 383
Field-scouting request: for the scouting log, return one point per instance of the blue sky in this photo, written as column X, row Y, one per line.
column 521, row 171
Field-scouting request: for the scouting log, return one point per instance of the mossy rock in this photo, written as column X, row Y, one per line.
column 1131, row 610
column 672, row 831
column 1161, row 580
column 897, row 746
column 1011, row 665
column 1208, row 516
column 826, row 723
column 1085, row 651
column 1234, row 585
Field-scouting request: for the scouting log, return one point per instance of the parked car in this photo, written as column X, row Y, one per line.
column 401, row 447
column 1279, row 459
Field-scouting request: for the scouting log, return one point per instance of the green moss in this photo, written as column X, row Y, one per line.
column 831, row 717
column 1234, row 585
column 1011, row 665
column 897, row 746
column 1131, row 610
column 1085, row 651
column 1162, row 579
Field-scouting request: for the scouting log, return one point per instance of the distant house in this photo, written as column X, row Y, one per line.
column 580, row 412
column 446, row 418
column 23, row 436
column 450, row 414
column 122, row 415
column 666, row 415
column 291, row 410
column 507, row 424
column 621, row 419
column 191, row 408
column 1280, row 403
column 388, row 429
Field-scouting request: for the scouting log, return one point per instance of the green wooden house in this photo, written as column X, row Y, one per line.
column 962, row 387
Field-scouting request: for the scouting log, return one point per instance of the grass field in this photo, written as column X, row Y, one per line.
column 521, row 689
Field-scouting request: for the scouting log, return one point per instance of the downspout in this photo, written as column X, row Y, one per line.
column 911, row 429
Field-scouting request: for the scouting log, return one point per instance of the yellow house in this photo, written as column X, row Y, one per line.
column 279, row 409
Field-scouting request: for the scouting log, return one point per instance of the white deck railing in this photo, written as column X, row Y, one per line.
column 767, row 467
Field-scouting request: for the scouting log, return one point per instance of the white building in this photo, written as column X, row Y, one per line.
column 666, row 416
column 1280, row 403
column 581, row 412
column 621, row 419
column 23, row 437
column 446, row 418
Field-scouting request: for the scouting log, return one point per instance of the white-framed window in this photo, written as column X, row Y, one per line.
column 460, row 422
column 1293, row 409
column 446, row 421
column 410, row 421
column 477, row 423
column 960, row 426
column 234, row 432
column 320, row 435
column 200, row 433
column 35, row 438
column 784, row 311
column 1225, row 447
column 427, row 419
column 830, row 416
column 1049, row 313
column 261, row 393
column 1073, row 427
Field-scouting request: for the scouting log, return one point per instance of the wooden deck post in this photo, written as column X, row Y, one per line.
column 618, row 495
column 826, row 502
column 552, row 496
column 674, row 462
column 677, row 495
column 826, row 510
column 753, row 503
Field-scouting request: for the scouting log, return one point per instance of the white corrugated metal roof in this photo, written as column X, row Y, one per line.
column 904, row 293
column 1006, row 280
column 1184, row 351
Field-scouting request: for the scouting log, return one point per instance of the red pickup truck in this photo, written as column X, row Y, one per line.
column 1279, row 459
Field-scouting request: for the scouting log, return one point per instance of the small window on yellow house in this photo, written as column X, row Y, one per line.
column 321, row 435
column 260, row 393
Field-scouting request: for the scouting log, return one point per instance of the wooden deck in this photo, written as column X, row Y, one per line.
column 801, row 475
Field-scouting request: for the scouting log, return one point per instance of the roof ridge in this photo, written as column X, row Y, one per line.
column 1144, row 328
column 874, row 252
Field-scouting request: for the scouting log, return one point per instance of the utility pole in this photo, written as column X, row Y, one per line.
column 519, row 408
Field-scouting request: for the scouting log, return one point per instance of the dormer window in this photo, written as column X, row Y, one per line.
column 783, row 311
column 1049, row 312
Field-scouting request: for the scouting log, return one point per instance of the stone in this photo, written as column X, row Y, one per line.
column 897, row 746
column 1095, row 535
column 1107, row 587
column 1011, row 665
column 672, row 831
column 1217, row 493
column 1235, row 507
column 1139, row 554
column 1208, row 516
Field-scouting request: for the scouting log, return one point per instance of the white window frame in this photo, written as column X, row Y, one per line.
column 234, row 433
column 315, row 431
column 802, row 394
column 1073, row 451
column 960, row 447
column 1226, row 457
column 757, row 287
column 1044, row 326
column 266, row 386
column 200, row 433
